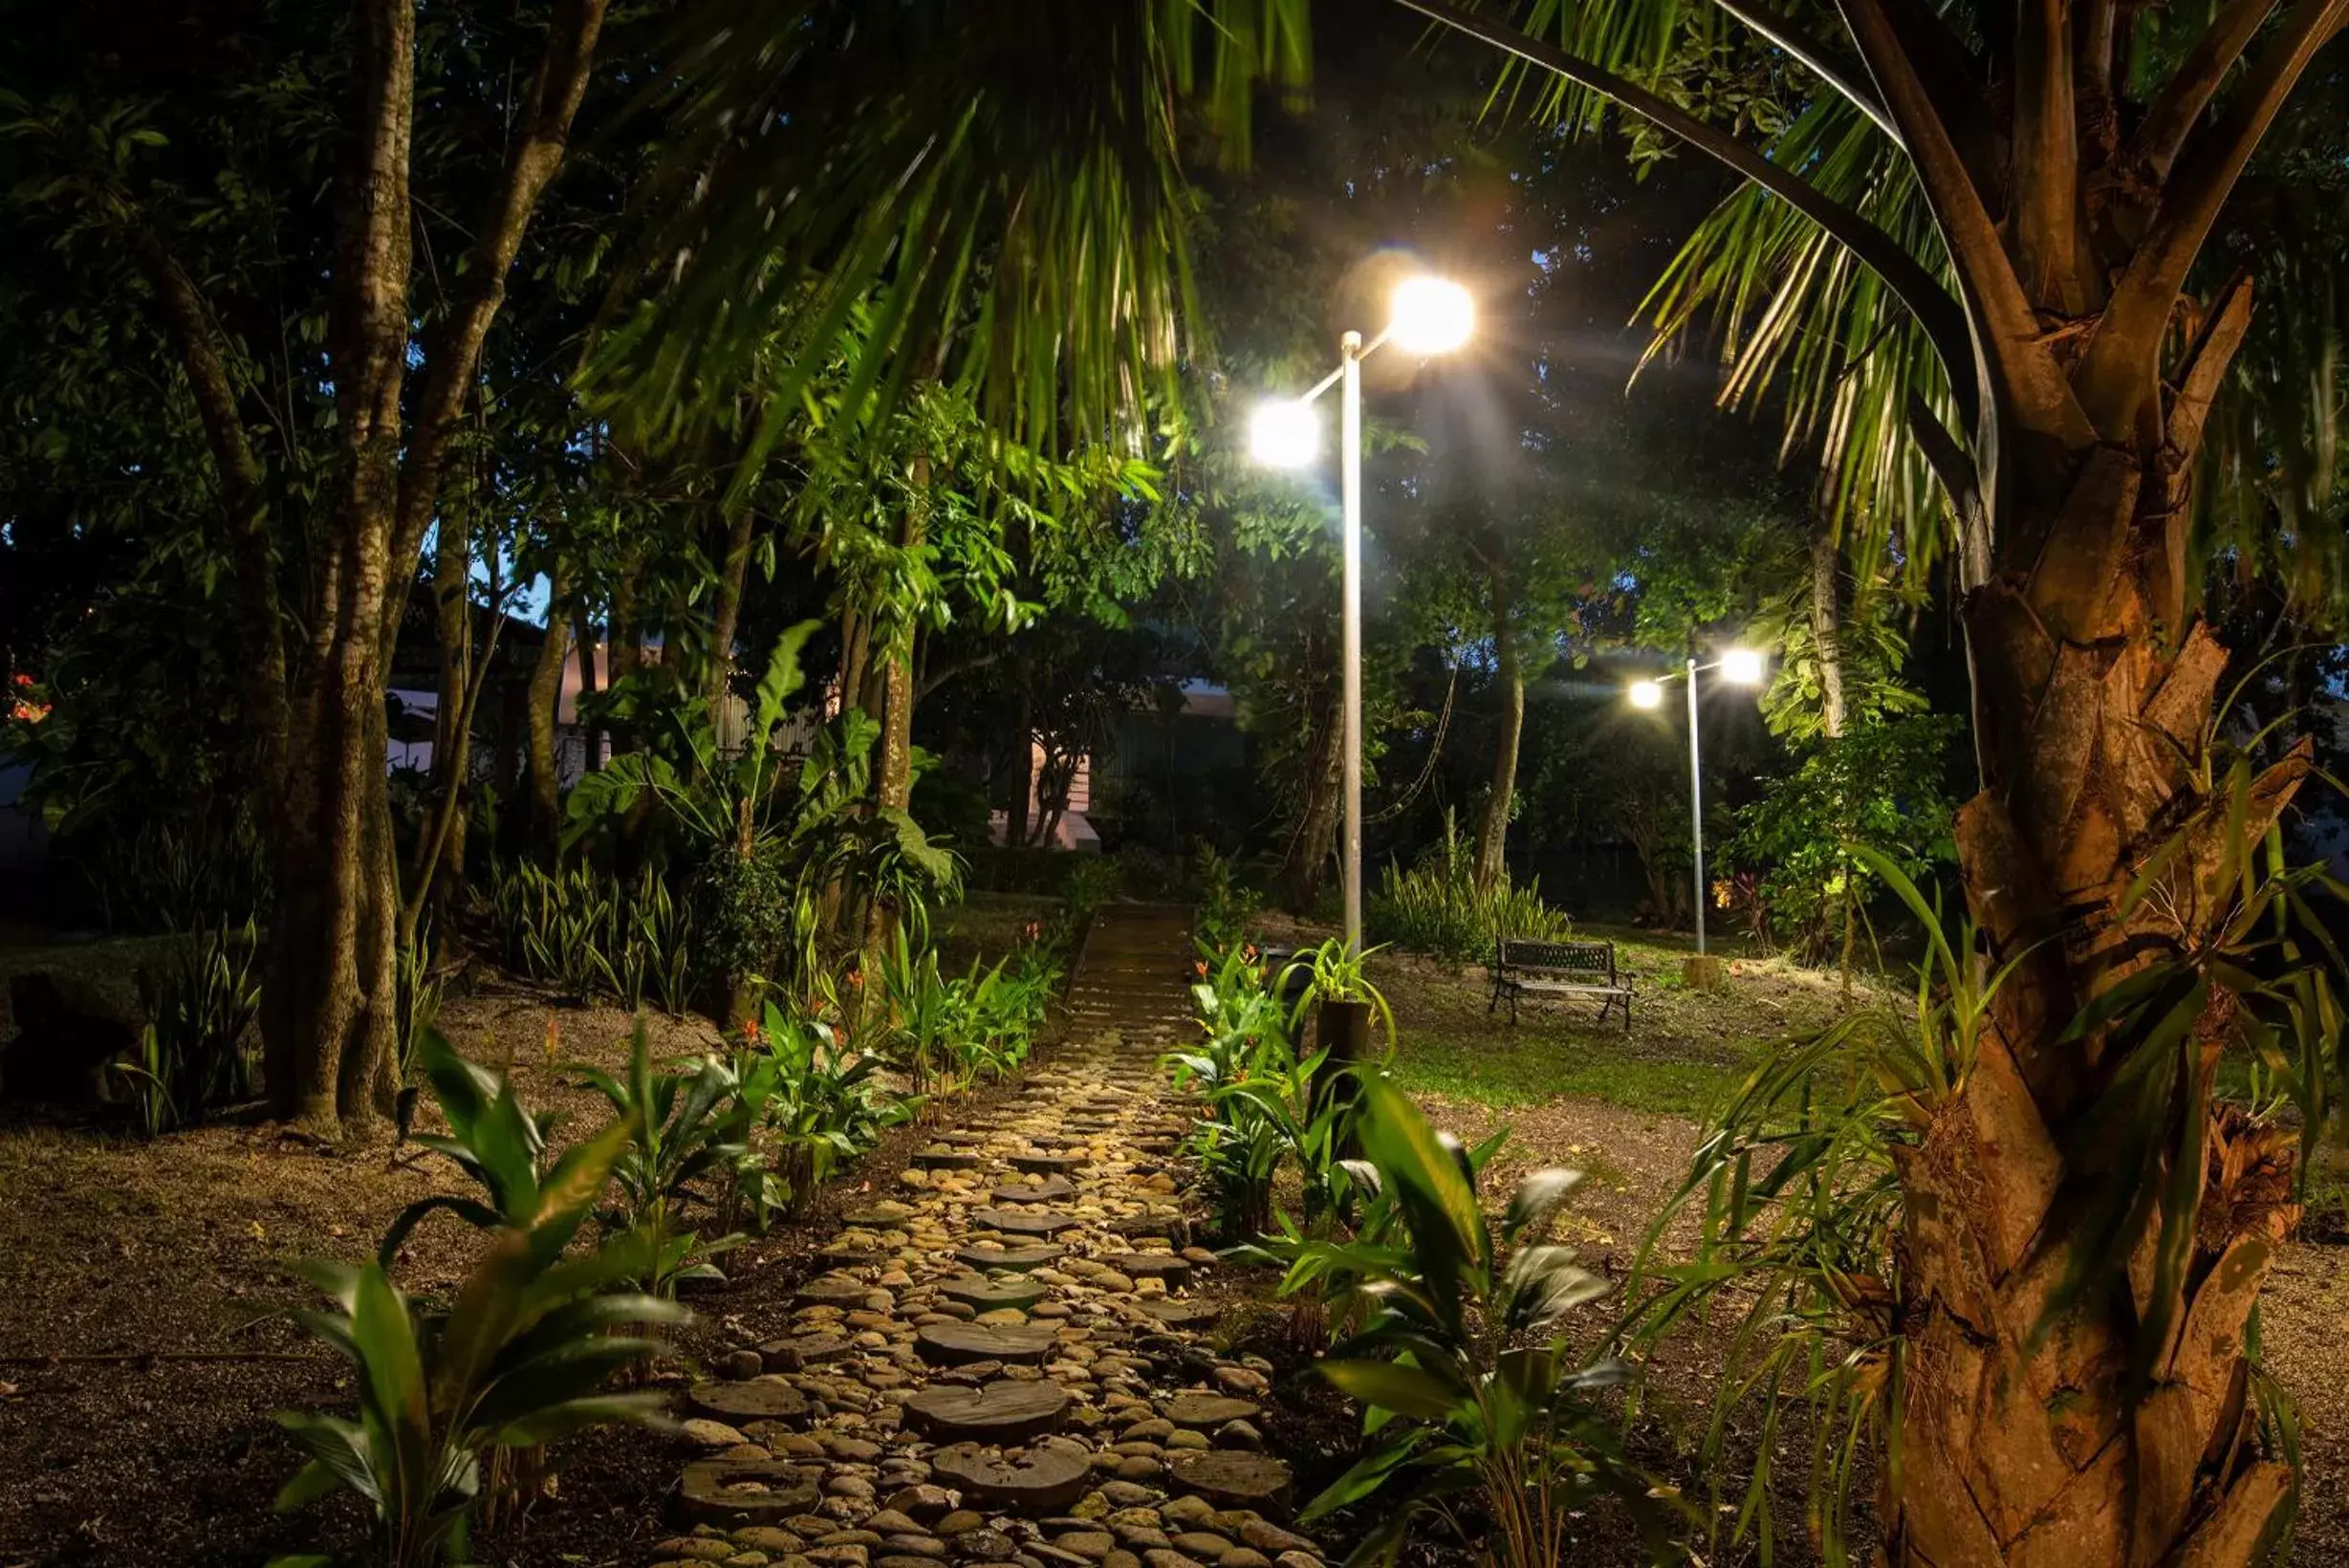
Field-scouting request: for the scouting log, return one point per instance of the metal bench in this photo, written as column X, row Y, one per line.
column 1557, row 969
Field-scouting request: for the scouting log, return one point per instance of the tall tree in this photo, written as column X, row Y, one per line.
column 315, row 646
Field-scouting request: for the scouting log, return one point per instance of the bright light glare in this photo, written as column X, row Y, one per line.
column 1646, row 694
column 1284, row 433
column 1741, row 666
column 1431, row 315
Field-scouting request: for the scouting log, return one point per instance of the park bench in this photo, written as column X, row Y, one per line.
column 1557, row 969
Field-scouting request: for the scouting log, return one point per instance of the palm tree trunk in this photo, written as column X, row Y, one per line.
column 1508, row 682
column 2095, row 698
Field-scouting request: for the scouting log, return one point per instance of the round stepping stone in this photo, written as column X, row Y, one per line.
column 987, row 1295
column 1031, row 1481
column 832, row 1291
column 1206, row 1412
column 942, row 1159
column 958, row 1345
column 1023, row 1222
column 1230, row 1477
column 879, row 1216
column 760, row 1399
column 732, row 1493
column 1049, row 1189
column 1001, row 1413
column 1171, row 1266
column 797, row 1351
column 1019, row 1259
column 1166, row 1227
column 848, row 1256
column 1182, row 1314
column 1046, row 1164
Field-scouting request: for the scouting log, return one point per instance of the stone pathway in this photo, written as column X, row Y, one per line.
column 1012, row 1363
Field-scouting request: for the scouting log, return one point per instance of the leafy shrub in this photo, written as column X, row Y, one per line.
column 1227, row 905
column 195, row 1051
column 1460, row 1357
column 1881, row 785
column 1437, row 908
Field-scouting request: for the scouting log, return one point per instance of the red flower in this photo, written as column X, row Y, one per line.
column 1202, row 967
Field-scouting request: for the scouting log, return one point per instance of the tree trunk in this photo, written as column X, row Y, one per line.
column 1023, row 771
column 591, row 733
column 1316, row 843
column 1826, row 630
column 2094, row 701
column 725, row 609
column 1509, row 682
column 546, row 695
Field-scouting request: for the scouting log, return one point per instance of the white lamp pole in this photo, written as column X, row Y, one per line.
column 1696, row 806
column 1739, row 667
column 1430, row 317
column 1350, row 500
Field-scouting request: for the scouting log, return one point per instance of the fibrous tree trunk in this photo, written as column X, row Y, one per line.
column 2094, row 701
column 1509, row 685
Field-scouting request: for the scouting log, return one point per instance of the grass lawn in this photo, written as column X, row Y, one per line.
column 1684, row 1047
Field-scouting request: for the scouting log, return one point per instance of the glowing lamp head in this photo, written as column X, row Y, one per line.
column 1646, row 694
column 1431, row 315
column 1283, row 433
column 1741, row 666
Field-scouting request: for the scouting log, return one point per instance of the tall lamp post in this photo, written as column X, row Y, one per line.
column 1428, row 315
column 1738, row 666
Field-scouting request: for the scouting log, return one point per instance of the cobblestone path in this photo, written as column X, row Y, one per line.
column 1013, row 1364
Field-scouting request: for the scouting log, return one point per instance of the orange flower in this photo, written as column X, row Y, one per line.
column 855, row 978
column 1201, row 964
column 751, row 1032
column 1248, row 955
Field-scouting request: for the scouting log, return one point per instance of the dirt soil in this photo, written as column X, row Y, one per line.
column 172, row 1250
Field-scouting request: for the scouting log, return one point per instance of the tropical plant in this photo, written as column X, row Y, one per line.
column 421, row 988
column 196, row 1050
column 655, row 942
column 520, row 1357
column 1440, row 908
column 1457, row 1352
column 557, row 926
column 492, row 1136
column 683, row 1135
column 804, row 1108
column 1335, row 971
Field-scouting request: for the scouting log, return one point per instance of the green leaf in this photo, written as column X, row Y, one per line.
column 1406, row 1390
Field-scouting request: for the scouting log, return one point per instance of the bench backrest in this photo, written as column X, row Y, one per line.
column 1574, row 957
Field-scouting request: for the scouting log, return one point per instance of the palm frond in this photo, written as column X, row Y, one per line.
column 999, row 182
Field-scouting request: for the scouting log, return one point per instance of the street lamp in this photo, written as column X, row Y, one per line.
column 1426, row 317
column 1738, row 666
